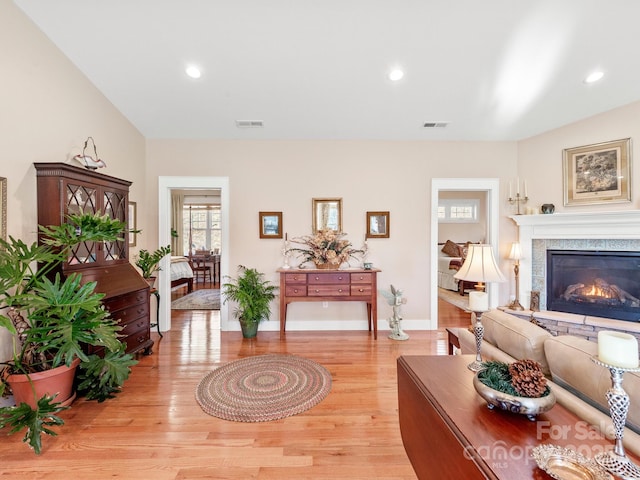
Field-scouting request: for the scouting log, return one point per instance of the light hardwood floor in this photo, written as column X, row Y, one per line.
column 155, row 429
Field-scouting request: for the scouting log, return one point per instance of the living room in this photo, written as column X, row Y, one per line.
column 50, row 107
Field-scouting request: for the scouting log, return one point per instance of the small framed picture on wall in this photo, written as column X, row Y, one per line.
column 270, row 224
column 377, row 225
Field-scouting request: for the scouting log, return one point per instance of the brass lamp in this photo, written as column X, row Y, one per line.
column 479, row 266
column 516, row 255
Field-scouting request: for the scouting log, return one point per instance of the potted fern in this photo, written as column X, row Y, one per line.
column 52, row 318
column 253, row 296
column 148, row 262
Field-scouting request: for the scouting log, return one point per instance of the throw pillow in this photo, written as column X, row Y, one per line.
column 452, row 249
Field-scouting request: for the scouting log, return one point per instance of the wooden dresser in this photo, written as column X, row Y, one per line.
column 65, row 189
column 354, row 285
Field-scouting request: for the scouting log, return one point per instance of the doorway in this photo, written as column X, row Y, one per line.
column 491, row 187
column 165, row 187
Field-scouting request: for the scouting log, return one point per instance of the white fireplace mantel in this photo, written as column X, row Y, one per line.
column 622, row 224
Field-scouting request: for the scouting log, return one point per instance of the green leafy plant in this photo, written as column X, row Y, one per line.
column 252, row 293
column 36, row 421
column 148, row 262
column 53, row 317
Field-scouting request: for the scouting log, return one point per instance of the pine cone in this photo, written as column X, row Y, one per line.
column 527, row 378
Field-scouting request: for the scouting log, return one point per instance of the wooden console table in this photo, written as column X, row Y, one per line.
column 448, row 431
column 310, row 285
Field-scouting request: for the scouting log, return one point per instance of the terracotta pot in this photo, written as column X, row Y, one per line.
column 57, row 380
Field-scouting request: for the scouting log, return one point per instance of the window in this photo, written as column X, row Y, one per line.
column 464, row 210
column 201, row 228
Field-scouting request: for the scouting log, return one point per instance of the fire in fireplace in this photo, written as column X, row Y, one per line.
column 596, row 283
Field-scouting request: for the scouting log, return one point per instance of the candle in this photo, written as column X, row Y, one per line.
column 518, row 186
column 618, row 349
column 510, row 193
column 286, row 236
column 478, row 301
column 525, row 189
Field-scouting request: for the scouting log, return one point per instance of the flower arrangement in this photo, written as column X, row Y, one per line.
column 326, row 248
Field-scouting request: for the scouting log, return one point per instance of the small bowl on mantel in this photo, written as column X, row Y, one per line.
column 529, row 406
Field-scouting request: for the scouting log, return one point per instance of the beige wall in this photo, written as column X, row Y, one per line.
column 368, row 175
column 540, row 157
column 48, row 109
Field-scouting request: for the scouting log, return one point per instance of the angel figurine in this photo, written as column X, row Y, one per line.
column 394, row 298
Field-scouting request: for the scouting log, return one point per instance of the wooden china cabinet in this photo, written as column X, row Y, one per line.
column 65, row 189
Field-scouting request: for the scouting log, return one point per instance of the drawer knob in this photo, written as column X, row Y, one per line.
column 317, row 290
column 295, row 290
column 339, row 290
column 361, row 277
column 361, row 289
column 317, row 278
column 339, row 278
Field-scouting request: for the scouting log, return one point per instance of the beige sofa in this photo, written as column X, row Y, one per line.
column 578, row 383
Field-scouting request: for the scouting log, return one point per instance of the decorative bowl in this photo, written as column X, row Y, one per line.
column 528, row 406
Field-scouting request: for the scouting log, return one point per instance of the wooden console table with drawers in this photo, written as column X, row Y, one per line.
column 311, row 285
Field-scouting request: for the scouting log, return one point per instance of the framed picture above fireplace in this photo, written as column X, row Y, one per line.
column 598, row 173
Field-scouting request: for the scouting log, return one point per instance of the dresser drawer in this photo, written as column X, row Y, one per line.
column 137, row 340
column 360, row 290
column 295, row 278
column 122, row 301
column 361, row 278
column 328, row 278
column 125, row 315
column 135, row 325
column 328, row 290
column 296, row 291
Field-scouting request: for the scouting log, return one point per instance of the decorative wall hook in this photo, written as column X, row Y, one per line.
column 88, row 161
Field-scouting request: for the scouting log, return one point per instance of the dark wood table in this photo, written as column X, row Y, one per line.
column 448, row 431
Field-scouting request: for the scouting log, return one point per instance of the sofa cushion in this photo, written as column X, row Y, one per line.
column 516, row 337
column 571, row 366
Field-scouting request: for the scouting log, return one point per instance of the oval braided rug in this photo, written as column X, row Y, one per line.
column 263, row 388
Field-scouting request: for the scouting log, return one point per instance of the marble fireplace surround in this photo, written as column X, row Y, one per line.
column 614, row 231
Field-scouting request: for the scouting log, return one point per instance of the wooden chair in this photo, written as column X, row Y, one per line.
column 200, row 267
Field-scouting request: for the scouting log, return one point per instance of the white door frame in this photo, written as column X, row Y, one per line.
column 489, row 185
column 165, row 185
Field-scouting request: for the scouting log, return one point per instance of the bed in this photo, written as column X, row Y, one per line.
column 450, row 259
column 181, row 273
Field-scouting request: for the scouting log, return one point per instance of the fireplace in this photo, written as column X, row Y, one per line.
column 596, row 283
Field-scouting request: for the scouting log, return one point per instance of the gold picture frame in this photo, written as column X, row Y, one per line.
column 326, row 214
column 132, row 223
column 598, row 173
column 377, row 225
column 270, row 224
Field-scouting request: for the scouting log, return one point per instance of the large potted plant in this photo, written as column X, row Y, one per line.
column 148, row 262
column 52, row 318
column 253, row 296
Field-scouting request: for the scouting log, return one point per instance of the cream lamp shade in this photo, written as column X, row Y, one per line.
column 480, row 265
column 516, row 252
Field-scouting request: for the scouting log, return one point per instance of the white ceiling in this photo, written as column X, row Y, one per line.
column 317, row 69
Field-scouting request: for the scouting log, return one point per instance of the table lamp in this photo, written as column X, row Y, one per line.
column 516, row 254
column 479, row 266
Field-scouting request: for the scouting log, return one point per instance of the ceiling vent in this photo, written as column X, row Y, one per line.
column 249, row 123
column 435, row 124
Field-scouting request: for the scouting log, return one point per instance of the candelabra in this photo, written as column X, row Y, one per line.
column 518, row 200
column 616, row 461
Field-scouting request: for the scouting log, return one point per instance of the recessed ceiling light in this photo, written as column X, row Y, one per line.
column 594, row 77
column 193, row 71
column 396, row 74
